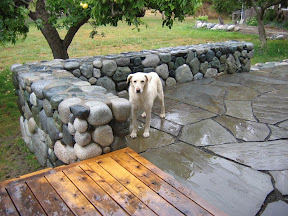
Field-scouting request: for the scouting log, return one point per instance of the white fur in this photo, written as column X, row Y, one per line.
column 143, row 90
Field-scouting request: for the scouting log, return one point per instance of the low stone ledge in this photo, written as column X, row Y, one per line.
column 70, row 108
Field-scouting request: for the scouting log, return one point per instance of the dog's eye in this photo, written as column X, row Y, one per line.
column 142, row 81
column 134, row 81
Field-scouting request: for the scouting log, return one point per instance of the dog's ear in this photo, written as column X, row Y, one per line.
column 129, row 78
column 148, row 77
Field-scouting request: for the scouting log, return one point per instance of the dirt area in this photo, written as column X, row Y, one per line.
column 245, row 29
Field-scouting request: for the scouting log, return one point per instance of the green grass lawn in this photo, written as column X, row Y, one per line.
column 117, row 39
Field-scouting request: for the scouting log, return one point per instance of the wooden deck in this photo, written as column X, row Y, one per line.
column 118, row 183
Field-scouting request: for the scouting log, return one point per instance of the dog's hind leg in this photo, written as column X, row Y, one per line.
column 161, row 97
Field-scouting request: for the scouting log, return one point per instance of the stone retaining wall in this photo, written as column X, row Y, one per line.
column 72, row 109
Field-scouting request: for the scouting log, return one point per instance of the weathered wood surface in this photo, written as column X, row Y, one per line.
column 118, row 183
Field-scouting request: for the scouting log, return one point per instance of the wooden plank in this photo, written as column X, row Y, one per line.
column 172, row 181
column 163, row 189
column 6, row 205
column 95, row 194
column 48, row 198
column 138, row 188
column 24, row 200
column 73, row 198
column 118, row 192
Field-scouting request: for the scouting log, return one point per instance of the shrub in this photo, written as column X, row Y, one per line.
column 203, row 18
column 252, row 21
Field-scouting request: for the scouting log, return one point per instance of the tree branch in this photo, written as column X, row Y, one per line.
column 73, row 30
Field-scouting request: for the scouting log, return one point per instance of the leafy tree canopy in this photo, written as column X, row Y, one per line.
column 52, row 15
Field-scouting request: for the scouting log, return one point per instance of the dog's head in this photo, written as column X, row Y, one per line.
column 138, row 81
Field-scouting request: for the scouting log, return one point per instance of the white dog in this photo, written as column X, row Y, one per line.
column 143, row 90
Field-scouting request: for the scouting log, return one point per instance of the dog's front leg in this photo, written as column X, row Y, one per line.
column 147, row 124
column 134, row 124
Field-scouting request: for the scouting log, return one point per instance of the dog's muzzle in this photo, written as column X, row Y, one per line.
column 138, row 91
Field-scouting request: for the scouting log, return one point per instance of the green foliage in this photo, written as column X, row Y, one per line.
column 226, row 7
column 252, row 21
column 12, row 22
column 269, row 15
column 202, row 18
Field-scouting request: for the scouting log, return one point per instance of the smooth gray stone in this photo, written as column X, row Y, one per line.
column 67, row 137
column 240, row 109
column 232, row 67
column 121, row 73
column 244, row 130
column 211, row 72
column 191, row 55
column 179, row 62
column 281, row 179
column 182, row 113
column 278, row 133
column 80, row 125
column 151, row 61
column 217, row 180
column 198, row 76
column 279, row 208
column 210, row 98
column 65, row 153
column 271, row 155
column 40, row 149
column 206, row 132
column 49, row 93
column 43, row 121
column 53, row 131
column 107, row 83
column 183, row 74
column 165, row 57
column 194, row 65
column 103, row 135
column 121, row 109
column 64, row 108
column 57, row 99
column 87, row 70
column 71, row 65
column 123, row 62
column 155, row 140
column 82, row 139
column 210, row 55
column 97, row 63
column 88, row 151
column 271, row 107
column 203, row 67
column 100, row 113
column 109, row 67
column 38, row 86
column 163, row 71
column 215, row 63
column 80, row 111
column 47, row 108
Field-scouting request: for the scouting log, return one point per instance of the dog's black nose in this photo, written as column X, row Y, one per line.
column 138, row 91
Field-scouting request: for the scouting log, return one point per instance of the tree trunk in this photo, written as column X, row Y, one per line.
column 261, row 30
column 58, row 46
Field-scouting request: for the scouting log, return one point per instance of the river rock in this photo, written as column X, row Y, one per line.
column 103, row 135
column 64, row 108
column 71, row 65
column 80, row 125
column 109, row 67
column 80, row 111
column 121, row 109
column 151, row 61
column 163, row 71
column 183, row 74
column 82, row 139
column 65, row 153
column 86, row 152
column 107, row 83
column 100, row 113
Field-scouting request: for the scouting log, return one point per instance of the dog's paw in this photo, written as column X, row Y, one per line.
column 143, row 115
column 146, row 134
column 162, row 115
column 133, row 135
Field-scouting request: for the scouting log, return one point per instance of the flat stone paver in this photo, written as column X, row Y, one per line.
column 222, row 135
column 206, row 132
column 270, row 155
column 244, row 130
column 278, row 208
column 235, row 189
